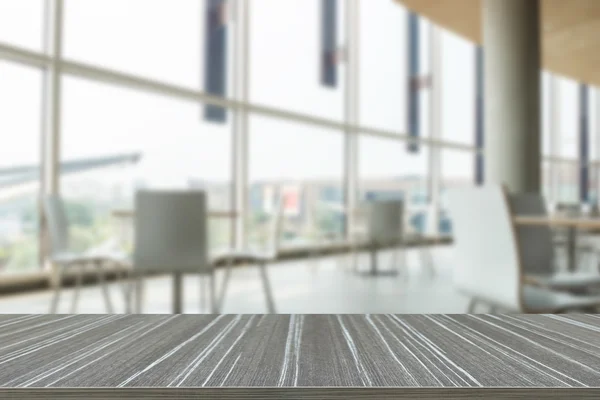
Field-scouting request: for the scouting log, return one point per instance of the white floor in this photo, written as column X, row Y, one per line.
column 307, row 287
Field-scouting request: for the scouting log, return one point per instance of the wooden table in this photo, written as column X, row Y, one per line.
column 212, row 214
column 571, row 224
column 299, row 356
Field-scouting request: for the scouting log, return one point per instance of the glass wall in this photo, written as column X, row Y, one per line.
column 132, row 116
column 387, row 170
column 303, row 166
column 20, row 123
column 118, row 140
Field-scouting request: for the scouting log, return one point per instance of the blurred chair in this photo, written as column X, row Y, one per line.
column 261, row 258
column 489, row 267
column 171, row 237
column 538, row 252
column 357, row 234
column 385, row 229
column 63, row 258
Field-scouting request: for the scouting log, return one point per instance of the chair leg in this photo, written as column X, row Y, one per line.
column 214, row 308
column 78, row 282
column 139, row 294
column 472, row 305
column 104, row 288
column 57, row 287
column 202, row 279
column 267, row 289
column 225, row 284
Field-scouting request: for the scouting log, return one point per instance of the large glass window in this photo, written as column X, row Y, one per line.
column 458, row 170
column 21, row 105
column 567, row 173
column 117, row 140
column 22, row 23
column 302, row 163
column 569, row 118
column 383, row 65
column 388, row 171
column 285, row 55
column 458, row 89
column 159, row 39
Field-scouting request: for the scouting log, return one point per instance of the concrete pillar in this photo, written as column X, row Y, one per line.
column 512, row 64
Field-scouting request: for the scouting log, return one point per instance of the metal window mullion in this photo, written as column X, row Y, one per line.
column 51, row 123
column 351, row 109
column 435, row 125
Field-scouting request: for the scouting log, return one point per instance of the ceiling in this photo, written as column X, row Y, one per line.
column 570, row 31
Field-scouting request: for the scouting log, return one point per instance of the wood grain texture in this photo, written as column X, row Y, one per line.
column 324, row 354
column 569, row 31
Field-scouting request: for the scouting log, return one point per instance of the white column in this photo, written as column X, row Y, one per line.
column 512, row 43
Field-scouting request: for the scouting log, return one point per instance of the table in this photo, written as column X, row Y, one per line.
column 572, row 224
column 299, row 356
column 211, row 214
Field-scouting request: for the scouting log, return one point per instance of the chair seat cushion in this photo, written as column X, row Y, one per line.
column 541, row 300
column 76, row 259
column 243, row 255
column 568, row 281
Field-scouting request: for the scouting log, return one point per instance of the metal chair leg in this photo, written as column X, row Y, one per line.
column 267, row 289
column 202, row 293
column 214, row 308
column 472, row 305
column 104, row 288
column 224, row 284
column 139, row 294
column 57, row 287
column 78, row 282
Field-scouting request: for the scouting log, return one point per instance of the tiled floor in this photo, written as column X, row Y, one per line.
column 306, row 287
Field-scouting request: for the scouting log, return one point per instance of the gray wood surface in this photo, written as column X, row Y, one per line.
column 325, row 354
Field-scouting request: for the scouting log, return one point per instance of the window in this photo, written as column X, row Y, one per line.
column 458, row 89
column 567, row 181
column 22, row 23
column 383, row 66
column 388, row 171
column 117, row 140
column 302, row 163
column 458, row 170
column 569, row 118
column 20, row 100
column 594, row 142
column 158, row 39
column 546, row 113
column 285, row 58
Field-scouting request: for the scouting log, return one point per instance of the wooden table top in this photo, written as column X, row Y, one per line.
column 211, row 213
column 566, row 222
column 278, row 352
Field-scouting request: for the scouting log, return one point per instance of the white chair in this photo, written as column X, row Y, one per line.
column 171, row 237
column 261, row 258
column 63, row 258
column 385, row 229
column 489, row 265
column 538, row 251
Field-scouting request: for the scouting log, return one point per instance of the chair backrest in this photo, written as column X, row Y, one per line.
column 385, row 220
column 486, row 250
column 537, row 247
column 276, row 225
column 171, row 232
column 58, row 224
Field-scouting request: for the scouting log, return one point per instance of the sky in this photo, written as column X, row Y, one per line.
column 163, row 40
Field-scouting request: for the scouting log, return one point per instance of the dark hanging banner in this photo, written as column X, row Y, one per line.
column 584, row 141
column 215, row 58
column 479, row 121
column 329, row 43
column 414, row 81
